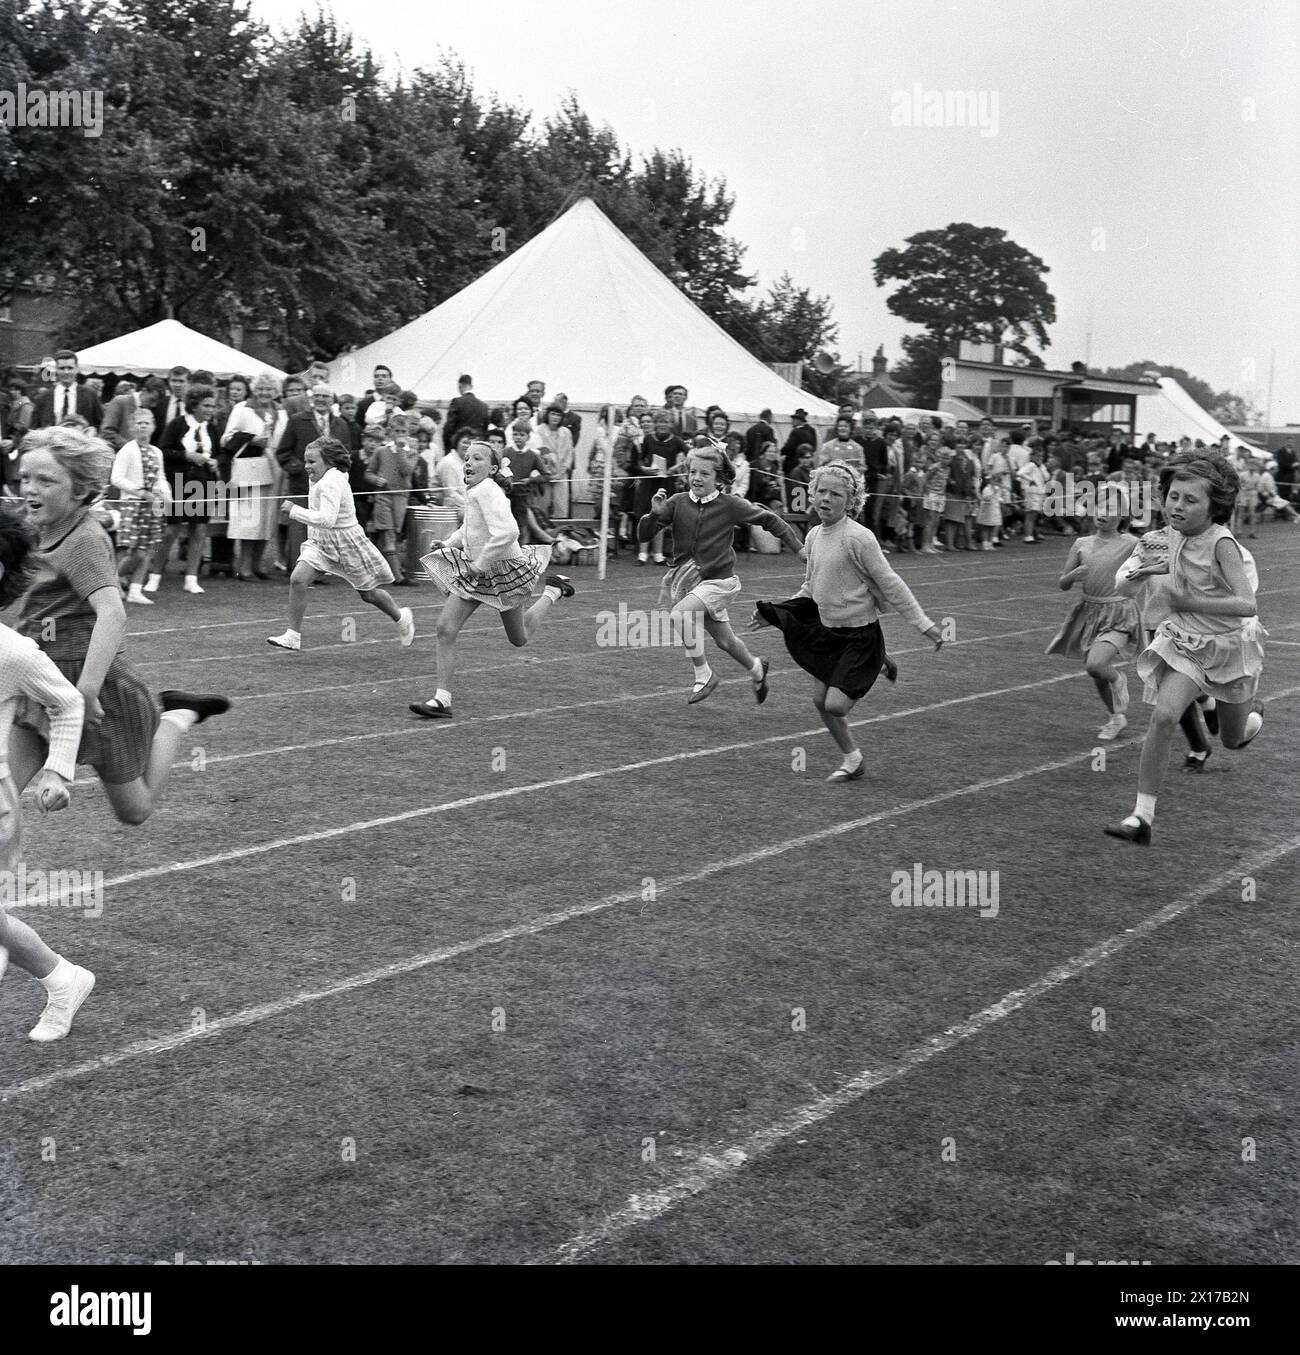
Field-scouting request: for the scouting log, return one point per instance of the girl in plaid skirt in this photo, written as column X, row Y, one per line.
column 483, row 562
column 335, row 544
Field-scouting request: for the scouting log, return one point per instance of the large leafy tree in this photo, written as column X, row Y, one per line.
column 964, row 282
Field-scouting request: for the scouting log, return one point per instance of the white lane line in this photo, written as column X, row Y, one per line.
column 424, row 728
column 267, row 1010
column 710, row 1167
column 512, row 792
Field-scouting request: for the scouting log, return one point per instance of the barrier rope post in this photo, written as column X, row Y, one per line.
column 605, row 492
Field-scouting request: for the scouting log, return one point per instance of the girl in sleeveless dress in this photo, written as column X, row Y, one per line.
column 1103, row 626
column 1210, row 643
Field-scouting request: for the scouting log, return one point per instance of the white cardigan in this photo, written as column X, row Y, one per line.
column 490, row 532
column 128, row 475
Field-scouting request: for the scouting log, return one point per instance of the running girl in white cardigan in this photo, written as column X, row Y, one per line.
column 335, row 544
column 483, row 562
column 831, row 625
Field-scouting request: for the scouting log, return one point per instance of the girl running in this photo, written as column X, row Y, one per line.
column 483, row 562
column 73, row 610
column 1210, row 644
column 28, row 675
column 335, row 544
column 1103, row 626
column 703, row 577
column 831, row 626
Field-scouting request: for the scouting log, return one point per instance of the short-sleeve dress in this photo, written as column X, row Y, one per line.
column 56, row 613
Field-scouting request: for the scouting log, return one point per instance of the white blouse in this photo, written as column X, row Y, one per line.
column 489, row 533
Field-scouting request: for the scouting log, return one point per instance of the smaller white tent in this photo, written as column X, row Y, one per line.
column 156, row 349
column 1172, row 414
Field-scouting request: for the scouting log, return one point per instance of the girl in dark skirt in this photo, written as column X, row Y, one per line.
column 73, row 610
column 831, row 625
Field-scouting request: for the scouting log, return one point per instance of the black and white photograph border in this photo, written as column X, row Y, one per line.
column 647, row 838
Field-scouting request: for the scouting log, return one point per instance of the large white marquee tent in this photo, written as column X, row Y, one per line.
column 581, row 308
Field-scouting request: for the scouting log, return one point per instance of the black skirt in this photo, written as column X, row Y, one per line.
column 849, row 658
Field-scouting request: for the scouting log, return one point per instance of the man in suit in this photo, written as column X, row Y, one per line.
column 173, row 407
column 300, row 432
column 465, row 411
column 65, row 397
column 680, row 419
column 119, row 417
column 757, row 434
column 801, row 435
column 875, row 453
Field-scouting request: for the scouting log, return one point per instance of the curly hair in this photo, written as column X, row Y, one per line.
column 17, row 538
column 87, row 459
column 850, row 479
column 1217, row 473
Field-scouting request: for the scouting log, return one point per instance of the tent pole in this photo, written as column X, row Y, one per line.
column 604, row 493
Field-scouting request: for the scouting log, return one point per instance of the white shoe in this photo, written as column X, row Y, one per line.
column 406, row 624
column 192, row 584
column 1113, row 728
column 136, row 594
column 285, row 641
column 56, row 1019
column 1119, row 689
column 4, row 961
column 152, row 582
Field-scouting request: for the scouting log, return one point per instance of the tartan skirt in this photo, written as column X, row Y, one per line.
column 506, row 585
column 348, row 553
column 118, row 748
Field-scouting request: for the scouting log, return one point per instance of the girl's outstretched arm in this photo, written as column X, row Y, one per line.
column 105, row 641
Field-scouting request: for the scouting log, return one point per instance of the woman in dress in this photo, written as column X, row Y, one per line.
column 252, row 433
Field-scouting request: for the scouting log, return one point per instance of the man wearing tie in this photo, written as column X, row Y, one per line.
column 66, row 398
column 681, row 420
column 178, row 382
column 300, row 432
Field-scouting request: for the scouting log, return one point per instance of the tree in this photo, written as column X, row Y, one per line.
column 964, row 282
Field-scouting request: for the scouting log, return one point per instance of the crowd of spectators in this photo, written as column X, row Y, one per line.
column 201, row 468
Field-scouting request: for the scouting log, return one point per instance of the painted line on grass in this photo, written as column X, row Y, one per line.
column 268, row 1010
column 576, row 778
column 713, row 1167
column 406, row 729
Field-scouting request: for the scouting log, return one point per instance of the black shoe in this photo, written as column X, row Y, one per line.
column 403, row 583
column 1139, row 834
column 432, row 709
column 203, row 706
column 1192, row 763
column 260, row 574
column 563, row 583
column 890, row 670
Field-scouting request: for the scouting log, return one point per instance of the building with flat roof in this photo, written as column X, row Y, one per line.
column 1013, row 395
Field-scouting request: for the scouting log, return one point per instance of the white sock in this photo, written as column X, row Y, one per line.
column 852, row 761
column 702, row 674
column 58, row 977
column 756, row 672
column 293, row 635
column 1253, row 722
column 551, row 593
column 182, row 719
column 443, row 695
column 1145, row 808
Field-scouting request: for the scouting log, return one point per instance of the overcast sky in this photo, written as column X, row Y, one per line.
column 1149, row 153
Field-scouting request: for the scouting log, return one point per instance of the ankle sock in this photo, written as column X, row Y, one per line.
column 703, row 674
column 58, row 977
column 1145, row 808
